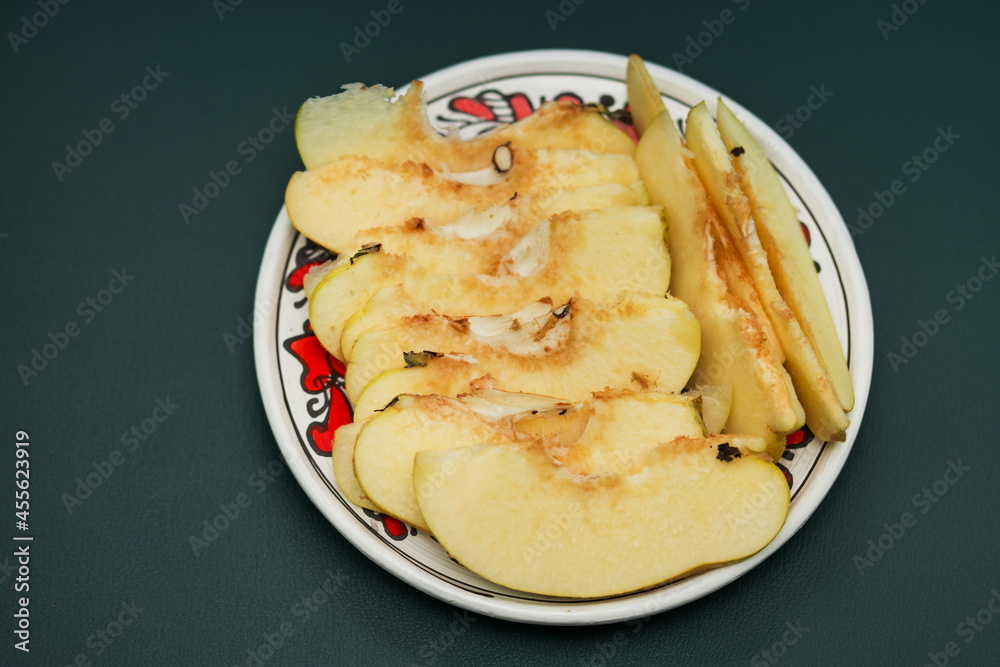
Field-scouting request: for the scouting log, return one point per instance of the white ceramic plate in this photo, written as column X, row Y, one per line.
column 302, row 388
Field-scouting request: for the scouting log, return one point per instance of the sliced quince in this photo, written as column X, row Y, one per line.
column 364, row 120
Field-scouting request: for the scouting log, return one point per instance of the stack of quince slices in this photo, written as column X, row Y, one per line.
column 515, row 359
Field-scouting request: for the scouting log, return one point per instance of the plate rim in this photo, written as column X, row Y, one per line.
column 827, row 467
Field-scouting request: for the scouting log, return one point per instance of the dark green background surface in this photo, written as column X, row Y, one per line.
column 162, row 336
